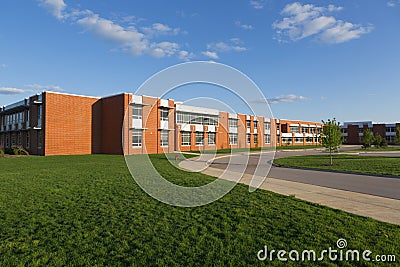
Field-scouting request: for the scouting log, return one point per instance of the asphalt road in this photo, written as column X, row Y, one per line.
column 372, row 185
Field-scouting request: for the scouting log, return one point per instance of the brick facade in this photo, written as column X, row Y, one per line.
column 62, row 124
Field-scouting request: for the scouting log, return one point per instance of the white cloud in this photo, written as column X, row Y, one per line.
column 55, row 7
column 11, row 91
column 244, row 26
column 393, row 3
column 257, row 4
column 287, row 99
column 224, row 47
column 210, row 54
column 128, row 38
column 160, row 29
column 3, row 66
column 185, row 55
column 45, row 87
column 301, row 21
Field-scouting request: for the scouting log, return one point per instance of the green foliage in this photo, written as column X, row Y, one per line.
column 397, row 135
column 2, row 154
column 367, row 139
column 331, row 136
column 88, row 211
column 378, row 140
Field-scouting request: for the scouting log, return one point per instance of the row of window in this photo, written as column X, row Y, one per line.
column 287, row 140
column 16, row 140
column 13, row 118
column 194, row 118
column 296, row 129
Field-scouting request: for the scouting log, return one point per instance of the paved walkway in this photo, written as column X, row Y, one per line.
column 379, row 208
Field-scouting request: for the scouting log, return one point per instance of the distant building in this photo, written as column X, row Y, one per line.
column 353, row 131
column 62, row 124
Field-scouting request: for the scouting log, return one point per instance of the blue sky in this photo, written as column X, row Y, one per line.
column 312, row 59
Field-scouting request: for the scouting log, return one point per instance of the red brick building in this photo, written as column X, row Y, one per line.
column 353, row 131
column 62, row 124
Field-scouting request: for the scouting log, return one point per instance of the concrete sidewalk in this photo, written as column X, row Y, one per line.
column 378, row 208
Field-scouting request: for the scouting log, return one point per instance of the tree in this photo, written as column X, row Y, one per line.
column 331, row 137
column 378, row 140
column 397, row 135
column 367, row 138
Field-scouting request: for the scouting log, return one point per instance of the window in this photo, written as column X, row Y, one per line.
column 278, row 139
column 40, row 113
column 313, row 130
column 248, row 123
column 390, row 129
column 299, row 140
column 233, row 123
column 137, row 136
column 309, row 139
column 233, row 138
column 27, row 140
column 255, row 137
column 199, row 138
column 295, row 129
column 19, row 139
column 390, row 139
column 344, row 130
column 267, row 139
column 248, row 137
column 211, row 138
column 137, row 112
column 304, row 129
column 164, row 114
column 7, row 141
column 12, row 140
column 186, row 138
column 360, row 130
column 164, row 138
column 39, row 141
column 255, row 124
column 193, row 118
column 287, row 140
column 267, row 126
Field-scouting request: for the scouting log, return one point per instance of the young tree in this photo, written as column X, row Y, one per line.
column 378, row 140
column 397, row 135
column 331, row 137
column 367, row 138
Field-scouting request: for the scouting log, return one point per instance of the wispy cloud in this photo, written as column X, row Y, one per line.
column 55, row 7
column 2, row 66
column 130, row 39
column 393, row 3
column 11, row 91
column 287, row 99
column 39, row 87
column 302, row 21
column 244, row 26
column 257, row 4
column 185, row 55
column 210, row 54
column 226, row 47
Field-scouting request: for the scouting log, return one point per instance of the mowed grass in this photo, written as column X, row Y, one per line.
column 348, row 163
column 88, row 211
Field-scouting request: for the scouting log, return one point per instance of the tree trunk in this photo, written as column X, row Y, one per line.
column 330, row 154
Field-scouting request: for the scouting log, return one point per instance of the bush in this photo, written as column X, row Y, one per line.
column 2, row 152
column 20, row 151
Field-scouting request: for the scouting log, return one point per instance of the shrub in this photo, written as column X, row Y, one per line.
column 20, row 151
column 2, row 153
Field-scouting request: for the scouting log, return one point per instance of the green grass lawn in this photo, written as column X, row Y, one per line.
column 88, row 211
column 348, row 163
column 376, row 149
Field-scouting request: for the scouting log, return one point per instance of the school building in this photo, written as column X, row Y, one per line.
column 353, row 131
column 53, row 123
